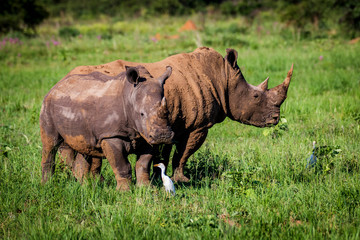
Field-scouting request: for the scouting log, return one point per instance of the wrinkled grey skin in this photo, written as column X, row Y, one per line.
column 103, row 116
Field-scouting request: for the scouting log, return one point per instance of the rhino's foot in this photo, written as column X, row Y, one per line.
column 143, row 180
column 180, row 178
column 123, row 184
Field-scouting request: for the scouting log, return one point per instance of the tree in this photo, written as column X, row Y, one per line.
column 21, row 15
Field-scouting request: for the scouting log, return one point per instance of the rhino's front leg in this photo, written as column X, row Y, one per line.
column 145, row 156
column 142, row 169
column 184, row 149
column 115, row 152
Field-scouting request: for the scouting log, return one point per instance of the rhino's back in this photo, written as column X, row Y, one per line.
column 192, row 91
column 85, row 87
column 82, row 107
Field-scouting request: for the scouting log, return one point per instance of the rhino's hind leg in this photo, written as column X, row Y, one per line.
column 115, row 152
column 66, row 154
column 87, row 166
column 185, row 148
column 81, row 167
column 50, row 145
column 95, row 168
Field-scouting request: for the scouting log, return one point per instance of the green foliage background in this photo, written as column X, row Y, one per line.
column 246, row 182
column 305, row 15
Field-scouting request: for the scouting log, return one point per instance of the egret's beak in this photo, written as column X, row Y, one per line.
column 156, row 165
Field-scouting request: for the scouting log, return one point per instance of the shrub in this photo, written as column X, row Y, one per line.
column 68, row 32
column 21, row 15
column 206, row 164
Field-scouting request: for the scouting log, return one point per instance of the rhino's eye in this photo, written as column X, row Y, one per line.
column 142, row 114
column 256, row 95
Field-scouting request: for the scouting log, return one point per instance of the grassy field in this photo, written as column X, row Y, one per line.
column 246, row 182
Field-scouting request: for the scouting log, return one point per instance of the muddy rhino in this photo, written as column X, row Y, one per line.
column 106, row 116
column 203, row 90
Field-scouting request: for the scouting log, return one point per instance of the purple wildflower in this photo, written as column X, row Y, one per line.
column 98, row 37
column 55, row 43
column 13, row 40
column 321, row 58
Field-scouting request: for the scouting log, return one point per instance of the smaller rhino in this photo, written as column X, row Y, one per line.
column 106, row 116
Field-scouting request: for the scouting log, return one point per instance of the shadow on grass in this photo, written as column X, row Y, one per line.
column 204, row 167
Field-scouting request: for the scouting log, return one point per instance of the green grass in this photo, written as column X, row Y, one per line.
column 246, row 182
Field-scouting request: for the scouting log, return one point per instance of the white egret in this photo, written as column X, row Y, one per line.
column 312, row 159
column 168, row 184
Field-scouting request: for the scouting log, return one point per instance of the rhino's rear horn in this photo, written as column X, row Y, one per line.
column 165, row 76
column 132, row 75
column 264, row 85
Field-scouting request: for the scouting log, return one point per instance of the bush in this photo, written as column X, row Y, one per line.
column 206, row 164
column 317, row 13
column 21, row 15
column 68, row 32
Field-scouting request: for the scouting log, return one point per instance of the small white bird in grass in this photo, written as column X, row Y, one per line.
column 168, row 184
column 312, row 159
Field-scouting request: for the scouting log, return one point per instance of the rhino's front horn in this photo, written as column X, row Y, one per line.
column 165, row 76
column 162, row 112
column 264, row 85
column 286, row 82
column 280, row 91
column 163, row 103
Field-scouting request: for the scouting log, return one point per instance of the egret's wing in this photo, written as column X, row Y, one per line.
column 169, row 185
column 173, row 190
column 311, row 161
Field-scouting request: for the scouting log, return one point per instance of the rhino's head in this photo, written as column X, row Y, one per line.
column 149, row 112
column 254, row 105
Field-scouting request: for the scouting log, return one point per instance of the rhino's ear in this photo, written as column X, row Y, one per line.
column 231, row 57
column 165, row 76
column 132, row 75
